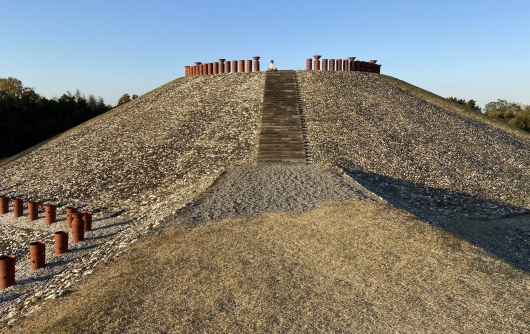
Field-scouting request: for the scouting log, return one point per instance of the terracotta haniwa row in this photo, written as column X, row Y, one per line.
column 78, row 221
column 222, row 66
column 349, row 64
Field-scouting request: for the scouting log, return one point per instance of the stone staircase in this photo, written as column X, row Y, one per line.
column 281, row 137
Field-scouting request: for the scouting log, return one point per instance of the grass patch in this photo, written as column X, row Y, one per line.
column 345, row 267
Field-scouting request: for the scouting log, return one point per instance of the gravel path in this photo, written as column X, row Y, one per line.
column 249, row 191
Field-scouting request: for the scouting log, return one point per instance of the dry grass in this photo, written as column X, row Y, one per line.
column 345, row 267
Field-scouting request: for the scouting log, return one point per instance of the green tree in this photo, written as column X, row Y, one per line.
column 124, row 99
column 513, row 113
column 472, row 104
column 26, row 118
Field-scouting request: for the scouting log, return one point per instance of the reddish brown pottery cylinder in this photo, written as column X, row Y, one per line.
column 227, row 66
column 37, row 254
column 351, row 60
column 61, row 242
column 78, row 227
column 249, row 65
column 7, row 271
column 324, row 64
column 210, row 68
column 50, row 213
column 186, row 71
column 345, row 65
column 234, row 66
column 377, row 68
column 69, row 211
column 357, row 65
column 204, row 69
column 332, row 64
column 4, row 205
column 221, row 66
column 18, row 207
column 241, row 66
column 216, row 67
column 308, row 64
column 198, row 65
column 363, row 66
column 256, row 63
column 33, row 211
column 317, row 62
column 371, row 66
column 339, row 65
column 87, row 219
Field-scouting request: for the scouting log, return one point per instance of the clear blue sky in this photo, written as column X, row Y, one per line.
column 469, row 49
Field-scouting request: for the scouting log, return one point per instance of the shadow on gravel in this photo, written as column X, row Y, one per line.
column 7, row 298
column 499, row 228
column 125, row 222
column 35, row 279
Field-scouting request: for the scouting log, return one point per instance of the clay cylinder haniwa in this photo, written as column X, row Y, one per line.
column 324, row 64
column 61, row 242
column 339, row 65
column 227, row 67
column 221, row 66
column 332, row 65
column 351, row 60
column 37, row 254
column 345, row 65
column 51, row 213
column 256, row 63
column 18, row 207
column 4, row 205
column 308, row 64
column 69, row 211
column 33, row 210
column 216, row 67
column 78, row 227
column 357, row 65
column 234, row 66
column 241, row 66
column 7, row 271
column 317, row 63
column 186, row 71
column 249, row 65
column 87, row 219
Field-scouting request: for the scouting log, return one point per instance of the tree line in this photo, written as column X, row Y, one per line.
column 27, row 118
column 515, row 114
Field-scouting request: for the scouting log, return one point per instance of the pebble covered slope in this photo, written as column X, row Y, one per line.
column 152, row 148
column 135, row 166
column 395, row 143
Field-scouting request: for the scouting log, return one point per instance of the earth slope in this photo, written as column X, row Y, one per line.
column 294, row 249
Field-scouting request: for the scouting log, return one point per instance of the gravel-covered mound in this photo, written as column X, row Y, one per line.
column 249, row 191
column 171, row 142
column 133, row 166
column 383, row 135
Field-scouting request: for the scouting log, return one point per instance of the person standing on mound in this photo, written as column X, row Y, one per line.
column 272, row 67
